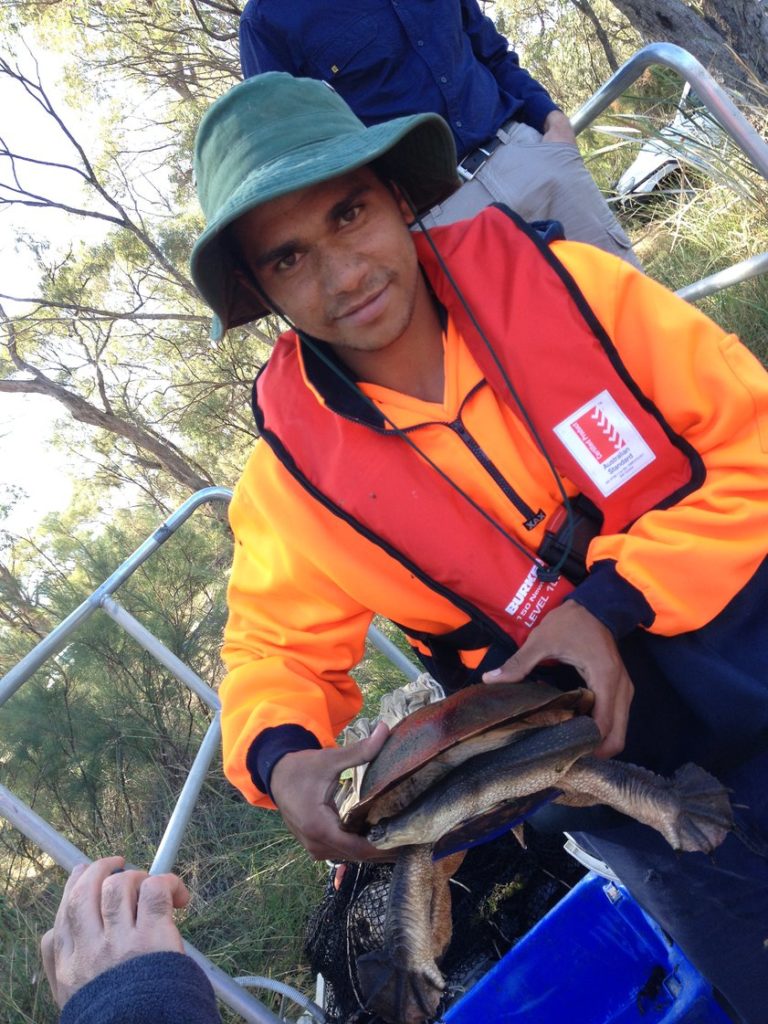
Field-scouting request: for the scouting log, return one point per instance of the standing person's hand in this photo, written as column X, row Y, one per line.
column 105, row 919
column 557, row 128
column 303, row 784
column 573, row 635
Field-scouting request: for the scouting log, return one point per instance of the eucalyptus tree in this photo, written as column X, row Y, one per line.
column 728, row 36
column 113, row 329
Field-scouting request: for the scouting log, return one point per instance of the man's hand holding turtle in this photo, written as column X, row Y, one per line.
column 572, row 635
column 303, row 784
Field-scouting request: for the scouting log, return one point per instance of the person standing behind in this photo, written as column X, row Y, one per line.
column 392, row 58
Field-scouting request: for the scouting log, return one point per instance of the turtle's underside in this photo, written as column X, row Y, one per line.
column 458, row 770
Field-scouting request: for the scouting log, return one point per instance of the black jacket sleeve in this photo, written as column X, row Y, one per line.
column 158, row 988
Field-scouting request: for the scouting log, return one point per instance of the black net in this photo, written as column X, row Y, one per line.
column 500, row 891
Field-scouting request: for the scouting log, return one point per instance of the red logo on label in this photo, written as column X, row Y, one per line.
column 597, row 432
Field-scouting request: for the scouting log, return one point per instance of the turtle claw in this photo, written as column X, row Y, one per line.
column 399, row 993
column 704, row 815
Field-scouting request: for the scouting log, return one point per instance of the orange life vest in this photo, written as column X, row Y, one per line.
column 572, row 391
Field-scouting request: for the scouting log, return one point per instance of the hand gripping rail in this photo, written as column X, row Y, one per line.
column 60, row 849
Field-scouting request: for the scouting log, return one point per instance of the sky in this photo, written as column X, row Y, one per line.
column 28, row 461
column 27, row 422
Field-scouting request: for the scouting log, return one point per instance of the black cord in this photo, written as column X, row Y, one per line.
column 545, row 573
column 399, row 432
column 548, row 574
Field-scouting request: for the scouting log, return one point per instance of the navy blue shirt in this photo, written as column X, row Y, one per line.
column 390, row 58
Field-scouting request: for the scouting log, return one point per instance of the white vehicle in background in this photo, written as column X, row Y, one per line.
column 692, row 138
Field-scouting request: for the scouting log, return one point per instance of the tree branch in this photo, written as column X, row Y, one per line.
column 718, row 41
column 586, row 8
column 170, row 457
column 122, row 219
column 107, row 314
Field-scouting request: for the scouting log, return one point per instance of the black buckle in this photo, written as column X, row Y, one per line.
column 472, row 162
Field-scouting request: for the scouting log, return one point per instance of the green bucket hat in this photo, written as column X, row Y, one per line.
column 274, row 134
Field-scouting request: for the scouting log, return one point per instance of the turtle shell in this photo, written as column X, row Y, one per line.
column 434, row 739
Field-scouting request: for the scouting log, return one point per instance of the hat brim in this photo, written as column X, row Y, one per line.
column 417, row 152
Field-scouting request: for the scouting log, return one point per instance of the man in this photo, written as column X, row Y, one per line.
column 444, row 401
column 410, row 56
column 115, row 956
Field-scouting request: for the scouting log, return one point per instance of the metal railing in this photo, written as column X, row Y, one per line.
column 723, row 110
column 57, row 846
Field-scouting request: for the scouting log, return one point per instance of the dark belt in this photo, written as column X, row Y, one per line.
column 474, row 160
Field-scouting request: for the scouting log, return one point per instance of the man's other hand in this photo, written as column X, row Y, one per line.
column 303, row 784
column 557, row 128
column 105, row 919
column 573, row 635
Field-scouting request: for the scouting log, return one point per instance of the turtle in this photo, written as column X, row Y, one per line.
column 462, row 769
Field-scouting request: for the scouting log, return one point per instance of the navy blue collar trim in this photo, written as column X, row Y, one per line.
column 335, row 382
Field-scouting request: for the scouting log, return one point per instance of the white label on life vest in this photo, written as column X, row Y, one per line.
column 605, row 444
column 522, row 592
column 532, row 597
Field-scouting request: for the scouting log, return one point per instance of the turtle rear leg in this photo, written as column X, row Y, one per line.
column 402, row 982
column 691, row 810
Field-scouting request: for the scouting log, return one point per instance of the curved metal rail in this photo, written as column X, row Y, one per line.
column 57, row 846
column 58, row 637
column 723, row 109
column 712, row 95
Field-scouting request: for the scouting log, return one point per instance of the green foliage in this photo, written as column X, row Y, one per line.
column 173, row 44
column 712, row 229
column 27, row 899
column 559, row 47
column 97, row 722
column 254, row 888
column 710, row 215
column 100, row 740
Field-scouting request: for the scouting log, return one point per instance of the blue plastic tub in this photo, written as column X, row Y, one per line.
column 596, row 958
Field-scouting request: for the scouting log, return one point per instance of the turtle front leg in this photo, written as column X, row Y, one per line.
column 402, row 982
column 691, row 810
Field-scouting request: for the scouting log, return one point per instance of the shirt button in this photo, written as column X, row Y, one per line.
column 419, row 42
column 443, row 78
column 459, row 124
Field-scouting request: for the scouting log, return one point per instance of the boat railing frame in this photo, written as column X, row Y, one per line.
column 56, row 845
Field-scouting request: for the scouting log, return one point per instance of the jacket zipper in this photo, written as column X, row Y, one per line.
column 531, row 519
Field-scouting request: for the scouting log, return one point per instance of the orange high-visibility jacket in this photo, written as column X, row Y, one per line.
column 599, row 431
column 305, row 583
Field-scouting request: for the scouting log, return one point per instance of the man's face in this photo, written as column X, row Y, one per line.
column 338, row 260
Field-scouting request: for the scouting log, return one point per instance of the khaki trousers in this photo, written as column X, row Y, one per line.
column 540, row 181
